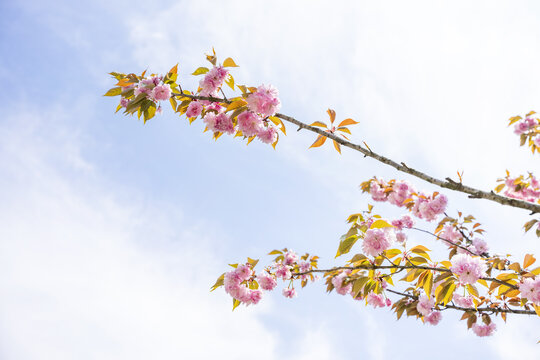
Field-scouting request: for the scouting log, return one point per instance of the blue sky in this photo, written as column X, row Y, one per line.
column 113, row 231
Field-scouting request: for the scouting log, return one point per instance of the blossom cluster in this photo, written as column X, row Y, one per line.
column 244, row 286
column 153, row 88
column 530, row 290
column 452, row 236
column 468, row 269
column 261, row 104
column 425, row 308
column 342, row 286
column 521, row 187
column 402, row 194
column 528, row 129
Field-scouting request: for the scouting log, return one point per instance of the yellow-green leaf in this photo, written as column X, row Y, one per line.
column 114, row 92
column 346, row 245
column 379, row 224
column 200, row 71
column 235, row 304
column 499, row 187
column 428, row 283
column 229, row 63
column 219, row 282
column 390, row 253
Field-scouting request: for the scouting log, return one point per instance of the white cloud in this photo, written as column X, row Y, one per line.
column 87, row 276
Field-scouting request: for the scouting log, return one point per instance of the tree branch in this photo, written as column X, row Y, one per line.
column 402, row 267
column 447, row 183
column 480, row 309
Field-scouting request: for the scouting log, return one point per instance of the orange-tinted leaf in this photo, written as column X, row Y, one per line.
column 320, row 140
column 529, row 260
column 332, row 115
column 125, row 82
column 236, row 104
column 336, row 145
column 348, row 122
column 344, row 129
column 174, row 69
column 320, row 124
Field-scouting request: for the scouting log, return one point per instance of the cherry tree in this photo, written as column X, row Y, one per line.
column 385, row 271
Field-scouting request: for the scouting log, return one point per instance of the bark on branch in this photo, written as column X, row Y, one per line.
column 448, row 183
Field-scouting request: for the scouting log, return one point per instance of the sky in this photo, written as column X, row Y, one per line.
column 112, row 232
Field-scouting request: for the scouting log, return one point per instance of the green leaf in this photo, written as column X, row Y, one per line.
column 253, row 262
column 346, row 245
column 358, row 285
column 114, row 91
column 219, row 282
column 200, row 71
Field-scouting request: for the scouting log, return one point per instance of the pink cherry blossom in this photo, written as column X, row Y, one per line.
column 484, row 330
column 450, row 234
column 141, row 89
column 530, row 289
column 468, row 269
column 375, row 242
column 283, row 272
column 537, row 141
column 266, row 281
column 264, row 101
column 425, row 305
column 376, row 190
column 520, row 128
column 244, row 271
column 401, row 237
column 194, row 109
column 223, row 123
column 216, row 107
column 304, row 266
column 249, row 123
column 480, row 246
column 463, row 301
column 161, row 92
column 124, row 102
column 213, row 80
column 289, row 293
column 254, row 297
column 375, row 300
column 337, row 281
column 429, row 209
column 401, row 192
column 433, row 318
column 404, row 222
column 290, row 257
column 267, row 135
column 151, row 81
